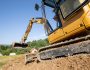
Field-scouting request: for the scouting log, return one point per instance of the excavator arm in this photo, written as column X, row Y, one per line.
column 29, row 27
column 38, row 20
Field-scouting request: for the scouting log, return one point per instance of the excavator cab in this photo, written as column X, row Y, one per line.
column 69, row 15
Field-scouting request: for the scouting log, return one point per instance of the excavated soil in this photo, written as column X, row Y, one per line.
column 76, row 62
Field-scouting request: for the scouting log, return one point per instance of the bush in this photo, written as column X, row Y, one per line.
column 38, row 43
column 7, row 49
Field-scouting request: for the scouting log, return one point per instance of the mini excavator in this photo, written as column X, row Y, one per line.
column 72, row 33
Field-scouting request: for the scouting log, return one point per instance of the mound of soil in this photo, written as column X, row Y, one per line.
column 76, row 62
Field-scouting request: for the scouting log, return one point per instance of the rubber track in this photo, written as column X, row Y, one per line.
column 67, row 48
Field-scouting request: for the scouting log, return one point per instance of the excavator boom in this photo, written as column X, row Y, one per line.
column 38, row 20
column 29, row 27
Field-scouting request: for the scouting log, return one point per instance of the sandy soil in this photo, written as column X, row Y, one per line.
column 76, row 62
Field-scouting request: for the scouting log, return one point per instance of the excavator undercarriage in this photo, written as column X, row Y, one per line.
column 62, row 49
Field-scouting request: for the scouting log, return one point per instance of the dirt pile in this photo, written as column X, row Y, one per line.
column 76, row 62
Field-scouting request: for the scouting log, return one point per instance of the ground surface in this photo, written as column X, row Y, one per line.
column 77, row 62
column 5, row 59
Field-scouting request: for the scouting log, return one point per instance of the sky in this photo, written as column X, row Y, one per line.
column 14, row 18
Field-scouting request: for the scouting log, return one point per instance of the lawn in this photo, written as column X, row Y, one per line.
column 5, row 59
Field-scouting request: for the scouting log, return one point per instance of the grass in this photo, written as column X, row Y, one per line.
column 5, row 59
column 1, row 64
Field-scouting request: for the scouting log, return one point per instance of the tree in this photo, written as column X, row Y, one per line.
column 38, row 43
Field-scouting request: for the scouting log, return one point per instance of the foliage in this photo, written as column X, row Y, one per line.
column 7, row 49
column 38, row 43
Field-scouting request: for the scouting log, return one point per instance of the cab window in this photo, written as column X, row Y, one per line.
column 69, row 6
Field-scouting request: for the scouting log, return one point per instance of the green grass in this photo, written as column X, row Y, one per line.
column 1, row 64
column 5, row 59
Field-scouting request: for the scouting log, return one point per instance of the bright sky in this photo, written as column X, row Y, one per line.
column 14, row 18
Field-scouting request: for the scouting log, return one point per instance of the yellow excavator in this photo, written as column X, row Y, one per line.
column 72, row 33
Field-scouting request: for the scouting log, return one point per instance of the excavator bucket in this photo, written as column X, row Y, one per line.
column 22, row 45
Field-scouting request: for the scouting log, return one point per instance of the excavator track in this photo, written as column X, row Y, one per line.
column 67, row 48
column 62, row 49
